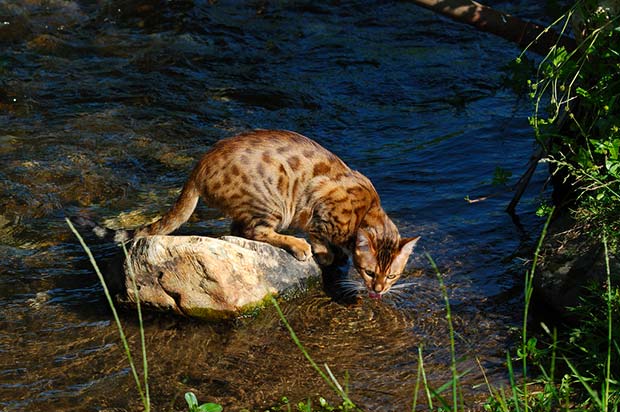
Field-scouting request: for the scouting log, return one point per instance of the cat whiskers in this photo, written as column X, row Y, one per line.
column 404, row 285
column 399, row 291
column 349, row 287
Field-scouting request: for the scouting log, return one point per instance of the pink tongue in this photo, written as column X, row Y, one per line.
column 374, row 295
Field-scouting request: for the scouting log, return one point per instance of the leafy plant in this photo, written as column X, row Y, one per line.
column 192, row 404
column 577, row 119
column 576, row 98
column 596, row 343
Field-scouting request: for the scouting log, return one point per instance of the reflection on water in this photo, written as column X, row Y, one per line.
column 104, row 107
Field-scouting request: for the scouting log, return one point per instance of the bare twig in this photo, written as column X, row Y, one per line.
column 525, row 179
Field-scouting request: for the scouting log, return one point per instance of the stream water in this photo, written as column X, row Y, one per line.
column 106, row 104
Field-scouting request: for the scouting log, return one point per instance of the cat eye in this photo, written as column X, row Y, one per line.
column 391, row 277
column 370, row 274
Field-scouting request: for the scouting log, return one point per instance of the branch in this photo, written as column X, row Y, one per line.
column 501, row 24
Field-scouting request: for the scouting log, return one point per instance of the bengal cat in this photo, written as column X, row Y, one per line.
column 268, row 181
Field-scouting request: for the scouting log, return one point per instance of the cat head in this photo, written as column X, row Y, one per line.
column 380, row 262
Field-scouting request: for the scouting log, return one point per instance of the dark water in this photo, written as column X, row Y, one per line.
column 104, row 107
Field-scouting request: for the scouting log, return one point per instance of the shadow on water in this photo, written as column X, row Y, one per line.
column 104, row 108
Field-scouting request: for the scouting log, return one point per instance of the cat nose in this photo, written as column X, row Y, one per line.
column 378, row 287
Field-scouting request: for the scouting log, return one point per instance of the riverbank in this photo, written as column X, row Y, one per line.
column 577, row 123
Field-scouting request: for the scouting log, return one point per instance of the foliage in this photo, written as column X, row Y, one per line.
column 577, row 113
column 575, row 369
column 595, row 342
column 192, row 404
column 321, row 405
column 587, row 355
column 577, row 120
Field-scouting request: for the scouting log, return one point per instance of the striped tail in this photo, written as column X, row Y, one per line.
column 175, row 217
column 180, row 213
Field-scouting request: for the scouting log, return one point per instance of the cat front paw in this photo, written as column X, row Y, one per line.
column 302, row 251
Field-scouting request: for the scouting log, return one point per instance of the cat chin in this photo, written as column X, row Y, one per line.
column 374, row 295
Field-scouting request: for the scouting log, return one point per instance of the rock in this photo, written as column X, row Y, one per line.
column 206, row 277
column 571, row 260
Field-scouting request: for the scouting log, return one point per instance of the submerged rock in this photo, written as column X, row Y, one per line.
column 206, row 277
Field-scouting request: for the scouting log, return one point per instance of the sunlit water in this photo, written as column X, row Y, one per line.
column 104, row 107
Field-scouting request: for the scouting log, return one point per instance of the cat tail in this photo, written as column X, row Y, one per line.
column 177, row 215
column 103, row 233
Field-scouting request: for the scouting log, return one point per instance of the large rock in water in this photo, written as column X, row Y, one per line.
column 207, row 277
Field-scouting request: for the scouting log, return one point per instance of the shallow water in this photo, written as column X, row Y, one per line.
column 105, row 106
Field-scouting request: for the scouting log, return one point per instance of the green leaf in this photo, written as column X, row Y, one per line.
column 559, row 57
column 614, row 149
column 191, row 400
column 583, row 92
column 210, row 407
column 543, row 210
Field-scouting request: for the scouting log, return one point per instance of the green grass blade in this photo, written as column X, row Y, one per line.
column 332, row 384
column 529, row 289
column 486, row 379
column 513, row 385
column 606, row 393
column 114, row 313
column 455, row 375
column 585, row 384
column 145, row 366
column 414, row 403
column 450, row 383
column 427, row 388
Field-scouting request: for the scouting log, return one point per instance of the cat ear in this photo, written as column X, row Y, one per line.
column 407, row 244
column 364, row 255
column 400, row 260
column 364, row 243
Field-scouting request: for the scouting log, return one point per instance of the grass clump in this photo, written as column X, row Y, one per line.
column 596, row 345
column 575, row 368
column 320, row 405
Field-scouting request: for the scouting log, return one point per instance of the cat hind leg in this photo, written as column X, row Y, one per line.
column 298, row 247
